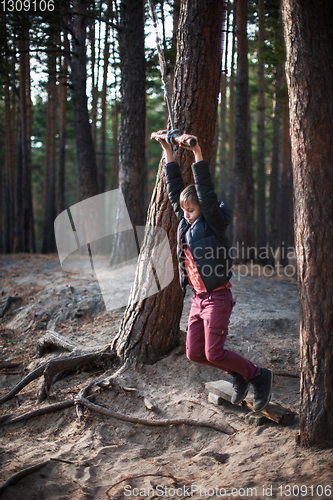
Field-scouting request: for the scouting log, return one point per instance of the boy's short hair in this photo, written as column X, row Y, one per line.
column 188, row 195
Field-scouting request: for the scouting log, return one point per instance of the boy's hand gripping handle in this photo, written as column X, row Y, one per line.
column 175, row 137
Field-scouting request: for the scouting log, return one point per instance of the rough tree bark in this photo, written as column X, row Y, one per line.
column 87, row 170
column 150, row 328
column 243, row 211
column 309, row 44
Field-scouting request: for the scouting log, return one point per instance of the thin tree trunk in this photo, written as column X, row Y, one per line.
column 223, row 111
column 8, row 188
column 231, row 179
column 92, row 39
column 115, row 149
column 309, row 43
column 87, row 171
column 114, row 174
column 18, row 231
column 261, row 191
column 48, row 244
column 102, row 147
column 27, row 187
column 23, row 216
column 273, row 180
column 286, row 198
column 150, row 328
column 133, row 110
column 243, row 212
column 61, row 202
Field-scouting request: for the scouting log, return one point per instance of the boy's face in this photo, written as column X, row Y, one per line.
column 191, row 212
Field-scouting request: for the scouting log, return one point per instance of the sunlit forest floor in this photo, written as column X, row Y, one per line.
column 102, row 457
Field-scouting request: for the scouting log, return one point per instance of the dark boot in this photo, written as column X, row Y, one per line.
column 240, row 386
column 262, row 386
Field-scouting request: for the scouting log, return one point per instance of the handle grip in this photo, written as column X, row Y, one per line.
column 191, row 141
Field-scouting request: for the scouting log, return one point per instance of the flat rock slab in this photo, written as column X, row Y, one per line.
column 273, row 411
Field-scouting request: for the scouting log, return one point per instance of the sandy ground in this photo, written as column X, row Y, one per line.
column 102, row 457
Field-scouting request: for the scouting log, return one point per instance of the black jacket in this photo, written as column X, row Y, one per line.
column 206, row 237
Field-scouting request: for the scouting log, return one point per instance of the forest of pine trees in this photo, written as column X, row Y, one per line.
column 81, row 94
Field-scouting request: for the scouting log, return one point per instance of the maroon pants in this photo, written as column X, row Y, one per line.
column 207, row 329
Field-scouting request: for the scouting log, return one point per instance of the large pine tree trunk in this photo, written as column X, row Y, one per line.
column 309, row 43
column 87, row 170
column 243, row 211
column 261, row 193
column 150, row 328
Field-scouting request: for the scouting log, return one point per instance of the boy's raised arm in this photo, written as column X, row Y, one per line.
column 205, row 190
column 173, row 177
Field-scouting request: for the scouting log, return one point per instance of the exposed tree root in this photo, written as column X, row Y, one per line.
column 54, row 339
column 24, row 382
column 26, row 472
column 227, row 429
column 22, row 474
column 77, row 359
column 51, row 369
column 72, row 362
column 8, row 419
column 4, row 365
column 9, row 301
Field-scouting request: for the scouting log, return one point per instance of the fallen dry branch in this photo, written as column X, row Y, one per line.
column 8, row 419
column 21, row 475
column 128, row 478
column 4, row 365
column 287, row 374
column 227, row 429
